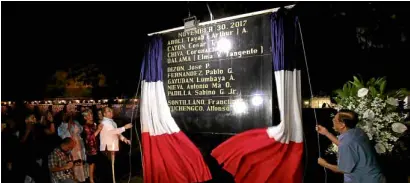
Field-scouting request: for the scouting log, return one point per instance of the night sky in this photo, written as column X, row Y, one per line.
column 40, row 37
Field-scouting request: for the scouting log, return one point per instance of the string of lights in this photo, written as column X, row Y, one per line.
column 72, row 101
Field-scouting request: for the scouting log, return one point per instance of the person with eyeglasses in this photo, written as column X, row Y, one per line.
column 356, row 156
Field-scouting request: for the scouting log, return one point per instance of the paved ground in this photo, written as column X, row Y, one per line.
column 133, row 180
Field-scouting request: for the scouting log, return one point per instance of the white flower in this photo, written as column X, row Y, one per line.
column 398, row 127
column 338, row 107
column 381, row 123
column 370, row 136
column 362, row 92
column 380, row 148
column 392, row 101
column 369, row 114
column 333, row 149
column 394, row 139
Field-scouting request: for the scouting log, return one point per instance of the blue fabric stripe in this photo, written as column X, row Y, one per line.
column 151, row 69
column 286, row 48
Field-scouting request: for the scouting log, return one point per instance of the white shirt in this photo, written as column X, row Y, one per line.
column 109, row 135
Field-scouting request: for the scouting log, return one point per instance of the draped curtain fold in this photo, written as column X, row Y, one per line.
column 273, row 154
column 168, row 154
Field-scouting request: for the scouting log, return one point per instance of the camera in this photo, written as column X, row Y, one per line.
column 78, row 162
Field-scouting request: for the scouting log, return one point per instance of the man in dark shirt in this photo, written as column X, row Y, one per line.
column 356, row 156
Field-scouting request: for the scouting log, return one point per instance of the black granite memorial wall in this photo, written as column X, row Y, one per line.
column 218, row 78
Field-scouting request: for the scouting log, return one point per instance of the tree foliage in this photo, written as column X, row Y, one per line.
column 77, row 81
column 378, row 24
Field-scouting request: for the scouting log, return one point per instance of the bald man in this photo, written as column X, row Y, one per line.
column 356, row 156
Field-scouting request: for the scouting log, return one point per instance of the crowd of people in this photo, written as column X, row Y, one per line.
column 63, row 148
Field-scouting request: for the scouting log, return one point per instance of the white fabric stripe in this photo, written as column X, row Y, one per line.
column 144, row 112
column 288, row 86
column 155, row 115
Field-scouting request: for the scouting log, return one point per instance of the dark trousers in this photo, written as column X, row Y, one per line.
column 104, row 171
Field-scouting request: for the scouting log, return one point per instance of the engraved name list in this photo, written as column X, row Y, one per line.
column 200, row 64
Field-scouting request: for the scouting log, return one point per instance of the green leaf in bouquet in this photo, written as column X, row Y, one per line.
column 402, row 93
column 379, row 81
column 339, row 93
column 373, row 91
column 345, row 88
column 382, row 86
column 337, row 100
column 358, row 83
column 371, row 82
column 399, row 94
column 353, row 90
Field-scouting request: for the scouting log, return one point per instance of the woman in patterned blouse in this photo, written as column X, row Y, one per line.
column 91, row 131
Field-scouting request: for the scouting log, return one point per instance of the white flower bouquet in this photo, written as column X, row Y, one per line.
column 378, row 112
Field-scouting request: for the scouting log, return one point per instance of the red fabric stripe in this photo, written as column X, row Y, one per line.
column 172, row 158
column 254, row 157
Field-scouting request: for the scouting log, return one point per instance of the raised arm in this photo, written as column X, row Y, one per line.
column 29, row 127
column 109, row 129
column 332, row 138
column 52, row 127
column 100, row 127
column 322, row 130
column 50, row 130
